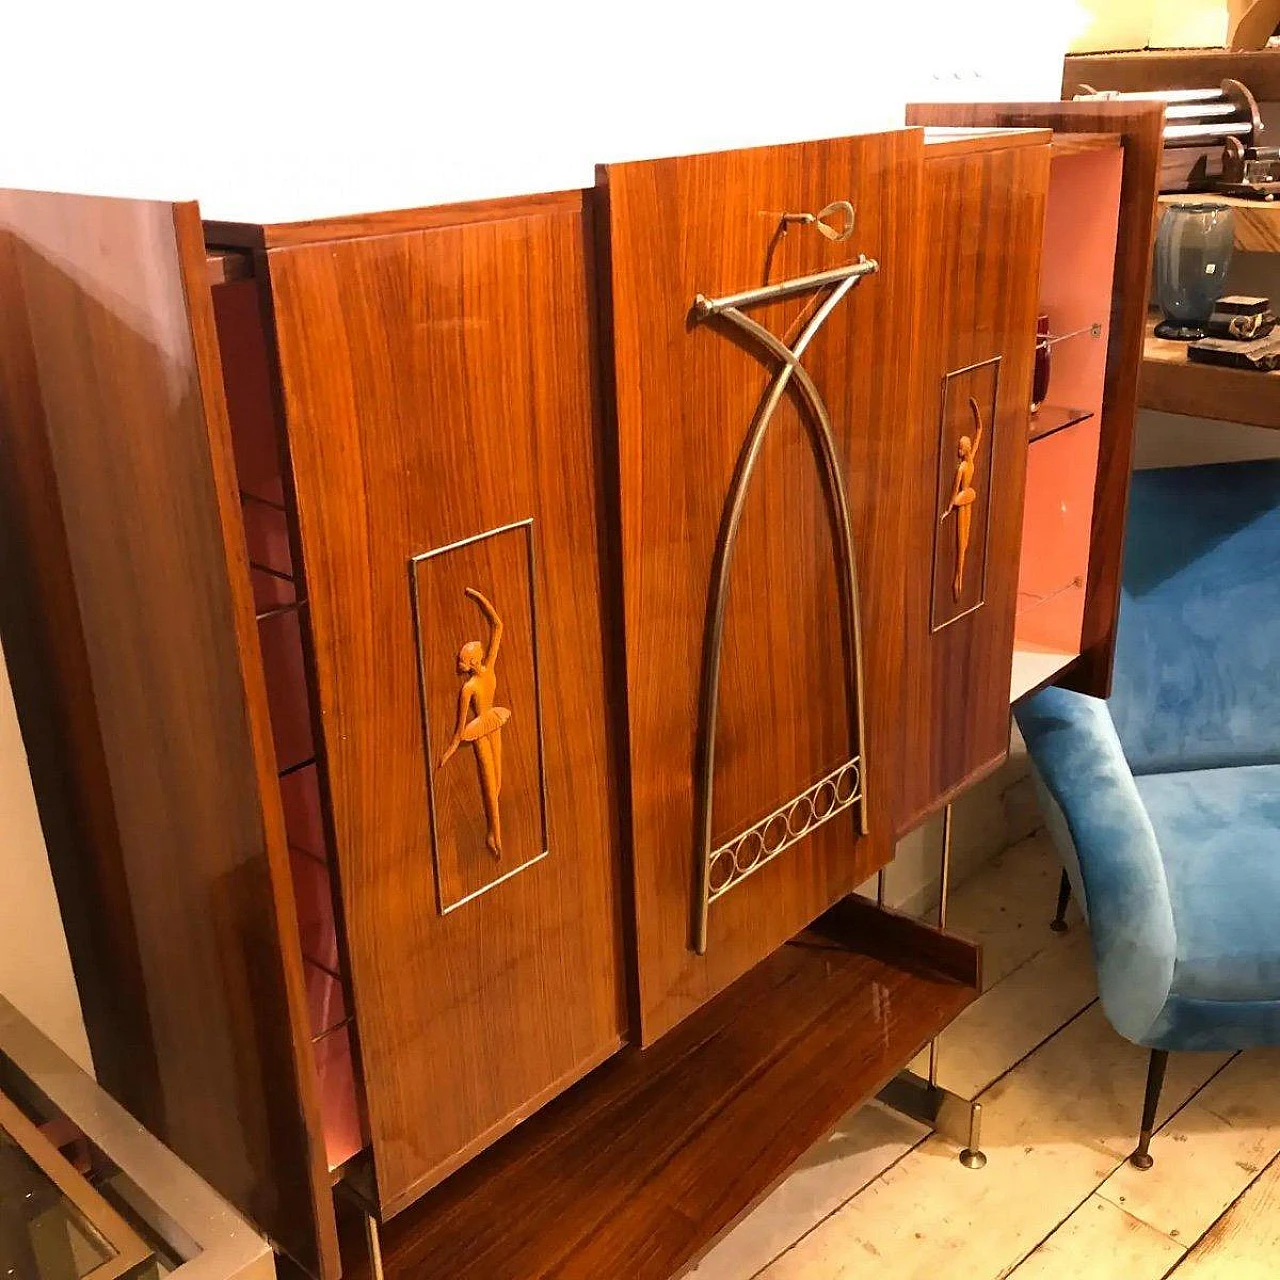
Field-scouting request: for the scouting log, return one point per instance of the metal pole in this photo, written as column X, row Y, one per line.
column 944, row 888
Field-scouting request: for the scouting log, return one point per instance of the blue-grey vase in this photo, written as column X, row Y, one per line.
column 1193, row 252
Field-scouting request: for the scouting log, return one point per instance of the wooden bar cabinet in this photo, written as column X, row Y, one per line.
column 470, row 657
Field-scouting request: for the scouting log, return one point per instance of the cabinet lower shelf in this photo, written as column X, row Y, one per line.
column 636, row 1169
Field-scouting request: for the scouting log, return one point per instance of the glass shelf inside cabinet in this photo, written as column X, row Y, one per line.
column 53, row 1224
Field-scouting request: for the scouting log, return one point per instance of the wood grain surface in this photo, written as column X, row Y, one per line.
column 979, row 303
column 439, row 384
column 639, row 1167
column 1173, row 384
column 1140, row 125
column 125, row 520
column 1145, row 70
column 686, row 395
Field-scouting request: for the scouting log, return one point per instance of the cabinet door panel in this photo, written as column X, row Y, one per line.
column 130, row 637
column 978, row 320
column 1140, row 125
column 441, row 413
column 690, row 389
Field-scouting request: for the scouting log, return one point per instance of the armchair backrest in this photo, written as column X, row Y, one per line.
column 1197, row 672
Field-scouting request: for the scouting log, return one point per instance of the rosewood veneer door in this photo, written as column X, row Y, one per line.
column 689, row 388
column 131, row 642
column 1141, row 126
column 978, row 320
column 442, row 415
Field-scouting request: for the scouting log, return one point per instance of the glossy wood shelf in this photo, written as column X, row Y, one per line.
column 1055, row 417
column 635, row 1170
column 1173, row 384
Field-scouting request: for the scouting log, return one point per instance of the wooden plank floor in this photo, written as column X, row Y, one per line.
column 882, row 1197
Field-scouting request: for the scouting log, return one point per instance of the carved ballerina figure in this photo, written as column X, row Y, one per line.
column 479, row 721
column 964, row 495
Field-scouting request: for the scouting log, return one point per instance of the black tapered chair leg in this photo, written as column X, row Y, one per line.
column 1059, row 924
column 1141, row 1158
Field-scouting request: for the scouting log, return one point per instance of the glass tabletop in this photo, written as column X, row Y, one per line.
column 53, row 1224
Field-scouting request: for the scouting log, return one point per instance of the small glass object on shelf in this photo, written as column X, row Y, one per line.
column 1193, row 252
column 1045, row 342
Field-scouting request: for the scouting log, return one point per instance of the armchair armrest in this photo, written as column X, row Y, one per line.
column 1099, row 823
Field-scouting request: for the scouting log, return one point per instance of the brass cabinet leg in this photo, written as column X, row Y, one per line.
column 957, row 1119
column 972, row 1156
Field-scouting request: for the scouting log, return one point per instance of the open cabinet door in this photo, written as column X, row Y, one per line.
column 128, row 629
column 1140, row 126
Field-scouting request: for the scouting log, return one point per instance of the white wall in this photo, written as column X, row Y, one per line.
column 277, row 111
column 35, row 969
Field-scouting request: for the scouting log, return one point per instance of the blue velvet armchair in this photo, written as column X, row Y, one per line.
column 1164, row 800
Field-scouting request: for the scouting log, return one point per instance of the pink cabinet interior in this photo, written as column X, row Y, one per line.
column 1078, row 265
column 265, row 498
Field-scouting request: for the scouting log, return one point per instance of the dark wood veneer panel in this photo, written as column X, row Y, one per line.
column 640, row 1166
column 439, row 385
column 124, row 519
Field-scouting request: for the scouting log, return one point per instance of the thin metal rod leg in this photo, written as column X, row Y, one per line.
column 1059, row 924
column 972, row 1156
column 1141, row 1158
column 373, row 1242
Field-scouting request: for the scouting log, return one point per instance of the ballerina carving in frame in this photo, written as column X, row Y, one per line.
column 479, row 722
column 964, row 495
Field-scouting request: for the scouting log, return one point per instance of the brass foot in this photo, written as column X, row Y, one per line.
column 1059, row 926
column 957, row 1119
column 1141, row 1160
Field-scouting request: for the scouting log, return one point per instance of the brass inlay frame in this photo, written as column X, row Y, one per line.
column 839, row 281
column 934, row 625
column 414, row 561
